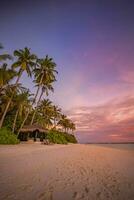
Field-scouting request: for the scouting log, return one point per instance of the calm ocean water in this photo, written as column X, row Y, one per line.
column 118, row 146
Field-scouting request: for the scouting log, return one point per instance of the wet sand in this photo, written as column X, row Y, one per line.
column 66, row 172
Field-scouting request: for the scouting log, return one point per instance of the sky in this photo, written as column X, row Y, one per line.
column 92, row 43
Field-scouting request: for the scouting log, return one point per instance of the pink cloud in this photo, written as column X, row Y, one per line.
column 127, row 76
column 112, row 121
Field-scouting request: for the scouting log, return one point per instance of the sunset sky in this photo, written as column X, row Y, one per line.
column 92, row 42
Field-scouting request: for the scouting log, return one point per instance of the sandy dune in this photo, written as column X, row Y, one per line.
column 66, row 172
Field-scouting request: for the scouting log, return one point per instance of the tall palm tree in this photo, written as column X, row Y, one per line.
column 44, row 73
column 45, row 70
column 25, row 62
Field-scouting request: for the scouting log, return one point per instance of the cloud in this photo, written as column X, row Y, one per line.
column 112, row 121
column 127, row 76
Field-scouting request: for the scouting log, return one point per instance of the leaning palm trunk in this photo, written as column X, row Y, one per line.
column 5, row 112
column 38, row 89
column 36, row 108
column 23, row 121
column 32, row 105
column 10, row 100
column 34, row 100
column 15, row 119
column 54, row 121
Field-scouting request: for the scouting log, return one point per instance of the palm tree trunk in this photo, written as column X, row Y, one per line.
column 10, row 100
column 28, row 111
column 15, row 119
column 23, row 122
column 5, row 112
column 35, row 97
column 37, row 90
column 32, row 105
column 54, row 123
column 36, row 108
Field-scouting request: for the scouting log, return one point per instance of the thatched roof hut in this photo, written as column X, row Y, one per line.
column 32, row 128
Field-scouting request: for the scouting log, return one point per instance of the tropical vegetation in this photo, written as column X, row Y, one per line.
column 18, row 106
column 59, row 137
column 7, row 137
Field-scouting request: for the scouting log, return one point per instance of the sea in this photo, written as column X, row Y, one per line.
column 129, row 146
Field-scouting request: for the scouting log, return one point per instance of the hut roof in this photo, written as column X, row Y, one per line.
column 34, row 127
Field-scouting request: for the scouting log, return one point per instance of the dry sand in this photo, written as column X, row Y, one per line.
column 66, row 172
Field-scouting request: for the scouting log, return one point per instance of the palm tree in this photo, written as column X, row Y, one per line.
column 25, row 62
column 45, row 108
column 44, row 121
column 22, row 101
column 6, row 96
column 72, row 127
column 62, row 121
column 66, row 123
column 45, row 89
column 6, row 75
column 56, row 114
column 45, row 70
column 44, row 73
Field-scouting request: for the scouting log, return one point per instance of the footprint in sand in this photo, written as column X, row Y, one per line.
column 41, row 196
column 78, row 196
column 26, row 187
column 98, row 194
column 86, row 190
column 75, row 194
column 129, row 185
column 46, row 196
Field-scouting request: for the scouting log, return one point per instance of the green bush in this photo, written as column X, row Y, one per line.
column 70, row 138
column 58, row 137
column 7, row 137
column 8, row 122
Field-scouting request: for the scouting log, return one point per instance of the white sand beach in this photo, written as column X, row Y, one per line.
column 66, row 172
